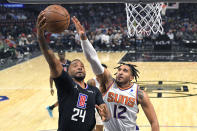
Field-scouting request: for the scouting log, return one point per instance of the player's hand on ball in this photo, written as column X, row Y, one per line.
column 79, row 28
column 41, row 23
column 103, row 112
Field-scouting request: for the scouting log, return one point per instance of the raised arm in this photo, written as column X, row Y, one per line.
column 92, row 57
column 54, row 63
column 148, row 109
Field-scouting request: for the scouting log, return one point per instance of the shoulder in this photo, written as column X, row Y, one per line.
column 94, row 88
column 140, row 94
column 91, row 82
column 63, row 73
column 142, row 97
column 91, row 87
column 64, row 76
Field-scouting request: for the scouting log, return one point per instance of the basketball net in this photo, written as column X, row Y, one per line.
column 144, row 19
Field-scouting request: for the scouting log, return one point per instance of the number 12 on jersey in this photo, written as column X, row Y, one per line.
column 78, row 113
column 119, row 111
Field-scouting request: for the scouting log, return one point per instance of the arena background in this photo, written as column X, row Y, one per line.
column 167, row 63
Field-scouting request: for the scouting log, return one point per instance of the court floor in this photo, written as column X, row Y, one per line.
column 25, row 93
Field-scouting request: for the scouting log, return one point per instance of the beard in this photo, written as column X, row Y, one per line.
column 79, row 78
column 120, row 83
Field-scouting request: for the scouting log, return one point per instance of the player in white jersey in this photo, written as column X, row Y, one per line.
column 95, row 82
column 122, row 104
column 121, row 94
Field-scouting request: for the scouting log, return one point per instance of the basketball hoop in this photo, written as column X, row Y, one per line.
column 144, row 19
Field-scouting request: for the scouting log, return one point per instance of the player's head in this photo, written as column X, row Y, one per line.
column 61, row 54
column 77, row 70
column 126, row 73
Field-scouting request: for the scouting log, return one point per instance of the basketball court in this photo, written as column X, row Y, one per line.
column 25, row 93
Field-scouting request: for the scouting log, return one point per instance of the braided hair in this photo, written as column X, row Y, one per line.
column 133, row 69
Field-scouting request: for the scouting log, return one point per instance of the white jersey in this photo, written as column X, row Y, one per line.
column 123, row 107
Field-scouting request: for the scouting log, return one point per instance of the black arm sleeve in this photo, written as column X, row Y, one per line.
column 64, row 84
column 99, row 98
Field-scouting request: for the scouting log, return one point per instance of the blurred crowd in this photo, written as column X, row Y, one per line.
column 105, row 25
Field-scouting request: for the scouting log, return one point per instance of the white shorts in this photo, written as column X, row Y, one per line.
column 98, row 119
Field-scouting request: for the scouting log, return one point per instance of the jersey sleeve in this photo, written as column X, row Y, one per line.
column 99, row 98
column 64, row 83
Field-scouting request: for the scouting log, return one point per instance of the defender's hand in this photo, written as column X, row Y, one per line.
column 79, row 28
column 103, row 112
column 41, row 24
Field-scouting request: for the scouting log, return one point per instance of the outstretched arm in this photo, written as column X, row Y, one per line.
column 148, row 109
column 92, row 57
column 54, row 63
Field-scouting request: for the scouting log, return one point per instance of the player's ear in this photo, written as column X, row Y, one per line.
column 131, row 77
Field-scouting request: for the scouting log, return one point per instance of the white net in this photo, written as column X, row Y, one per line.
column 142, row 19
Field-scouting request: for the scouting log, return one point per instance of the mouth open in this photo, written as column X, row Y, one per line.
column 120, row 77
column 79, row 72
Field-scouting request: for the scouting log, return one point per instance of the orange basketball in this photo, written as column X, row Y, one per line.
column 57, row 18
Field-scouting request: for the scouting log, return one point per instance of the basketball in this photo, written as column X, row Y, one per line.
column 57, row 18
